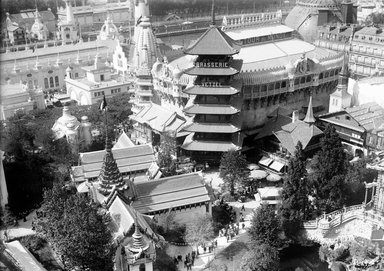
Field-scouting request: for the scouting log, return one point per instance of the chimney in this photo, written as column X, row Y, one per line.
column 295, row 116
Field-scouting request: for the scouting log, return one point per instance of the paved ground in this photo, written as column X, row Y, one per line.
column 222, row 243
column 23, row 228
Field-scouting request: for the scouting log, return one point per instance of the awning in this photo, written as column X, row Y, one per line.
column 265, row 161
column 277, row 166
column 273, row 178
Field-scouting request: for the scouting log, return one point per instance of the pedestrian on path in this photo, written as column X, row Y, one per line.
column 243, row 208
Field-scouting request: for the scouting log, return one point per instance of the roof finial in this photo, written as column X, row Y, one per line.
column 213, row 13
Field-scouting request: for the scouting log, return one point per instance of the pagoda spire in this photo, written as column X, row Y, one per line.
column 309, row 118
column 138, row 241
column 110, row 177
column 213, row 13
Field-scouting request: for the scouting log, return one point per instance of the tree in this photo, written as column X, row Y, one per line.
column 166, row 155
column 375, row 18
column 261, row 257
column 357, row 174
column 329, row 167
column 200, row 231
column 265, row 226
column 164, row 261
column 75, row 228
column 233, row 169
column 295, row 206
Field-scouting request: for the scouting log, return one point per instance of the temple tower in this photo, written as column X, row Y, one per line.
column 68, row 28
column 39, row 30
column 340, row 98
column 217, row 103
column 140, row 253
column 110, row 176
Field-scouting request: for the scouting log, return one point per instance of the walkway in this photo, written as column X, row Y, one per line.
column 205, row 258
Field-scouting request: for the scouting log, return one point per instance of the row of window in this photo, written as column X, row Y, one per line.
column 367, row 50
column 98, row 94
column 51, row 82
column 115, row 90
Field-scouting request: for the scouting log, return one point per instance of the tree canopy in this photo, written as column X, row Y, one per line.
column 261, row 257
column 200, row 230
column 265, row 226
column 75, row 228
column 233, row 169
column 329, row 168
column 295, row 208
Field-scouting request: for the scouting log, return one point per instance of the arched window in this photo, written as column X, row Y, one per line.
column 56, row 81
column 51, row 82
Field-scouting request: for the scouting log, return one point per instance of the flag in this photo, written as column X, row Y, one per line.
column 139, row 20
column 103, row 105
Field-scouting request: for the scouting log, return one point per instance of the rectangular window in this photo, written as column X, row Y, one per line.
column 355, row 136
column 46, row 85
column 101, row 77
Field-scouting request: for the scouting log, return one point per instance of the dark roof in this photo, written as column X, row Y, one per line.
column 290, row 134
column 128, row 159
column 273, row 125
column 365, row 114
column 213, row 42
column 234, row 68
column 170, row 192
column 342, row 119
column 28, row 17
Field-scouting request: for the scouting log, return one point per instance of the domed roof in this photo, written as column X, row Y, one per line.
column 304, row 17
column 108, row 30
column 177, row 73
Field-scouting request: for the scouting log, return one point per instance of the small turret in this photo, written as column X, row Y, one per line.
column 309, row 118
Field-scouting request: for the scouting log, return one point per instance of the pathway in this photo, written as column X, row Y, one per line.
column 205, row 258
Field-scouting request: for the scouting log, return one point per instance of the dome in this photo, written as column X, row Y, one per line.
column 108, row 30
column 304, row 17
column 177, row 73
column 67, row 118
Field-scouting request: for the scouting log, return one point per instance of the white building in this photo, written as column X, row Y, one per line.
column 68, row 27
column 98, row 82
column 15, row 97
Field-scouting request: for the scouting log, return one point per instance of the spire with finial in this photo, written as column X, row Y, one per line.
column 309, row 118
column 138, row 241
column 343, row 76
column 110, row 176
column 213, row 13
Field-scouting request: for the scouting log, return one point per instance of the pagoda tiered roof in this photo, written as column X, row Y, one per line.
column 213, row 42
column 232, row 89
column 212, row 109
column 208, row 145
column 234, row 67
column 204, row 127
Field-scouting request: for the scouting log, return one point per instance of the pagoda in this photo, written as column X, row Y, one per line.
column 110, row 177
column 216, row 99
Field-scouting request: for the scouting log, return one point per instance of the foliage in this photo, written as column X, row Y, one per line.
column 261, row 257
column 200, row 230
column 33, row 242
column 331, row 254
column 215, row 266
column 375, row 18
column 357, row 174
column 166, row 155
column 164, row 261
column 75, row 228
column 7, row 218
column 265, row 226
column 361, row 252
column 295, row 203
column 233, row 169
column 329, row 167
column 221, row 216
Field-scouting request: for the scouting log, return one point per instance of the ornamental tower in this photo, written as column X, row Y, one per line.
column 340, row 98
column 110, row 176
column 215, row 95
column 140, row 253
column 68, row 31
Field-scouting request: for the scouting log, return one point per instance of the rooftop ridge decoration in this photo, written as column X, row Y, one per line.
column 246, row 20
